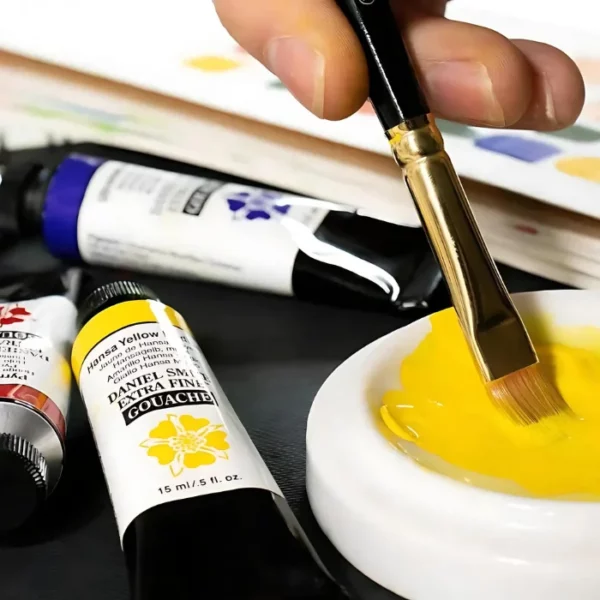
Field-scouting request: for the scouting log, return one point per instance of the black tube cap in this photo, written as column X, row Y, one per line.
column 13, row 183
column 111, row 294
column 23, row 481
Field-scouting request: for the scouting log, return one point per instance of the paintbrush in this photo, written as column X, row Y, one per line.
column 494, row 331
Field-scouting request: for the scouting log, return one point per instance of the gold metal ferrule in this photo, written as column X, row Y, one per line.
column 491, row 324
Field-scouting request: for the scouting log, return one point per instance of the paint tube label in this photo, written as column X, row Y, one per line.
column 35, row 339
column 159, row 221
column 164, row 429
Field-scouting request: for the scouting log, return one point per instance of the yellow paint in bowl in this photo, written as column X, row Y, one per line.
column 582, row 167
column 212, row 64
column 443, row 418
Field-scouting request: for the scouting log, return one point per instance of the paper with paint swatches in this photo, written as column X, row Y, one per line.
column 573, row 152
column 537, row 164
column 530, row 148
column 196, row 60
column 562, row 168
column 580, row 158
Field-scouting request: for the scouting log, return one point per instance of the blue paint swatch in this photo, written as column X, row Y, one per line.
column 521, row 148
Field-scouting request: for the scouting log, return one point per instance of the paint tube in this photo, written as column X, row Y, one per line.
column 37, row 327
column 185, row 480
column 110, row 207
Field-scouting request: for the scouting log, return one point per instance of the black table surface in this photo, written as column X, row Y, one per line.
column 271, row 355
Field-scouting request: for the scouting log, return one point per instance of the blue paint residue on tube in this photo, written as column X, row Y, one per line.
column 64, row 197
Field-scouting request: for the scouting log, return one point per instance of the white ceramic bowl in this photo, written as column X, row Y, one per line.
column 425, row 536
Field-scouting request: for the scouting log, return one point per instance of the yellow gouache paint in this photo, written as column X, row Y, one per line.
column 443, row 418
column 212, row 64
column 582, row 167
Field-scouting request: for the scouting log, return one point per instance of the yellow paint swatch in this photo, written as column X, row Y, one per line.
column 212, row 64
column 582, row 167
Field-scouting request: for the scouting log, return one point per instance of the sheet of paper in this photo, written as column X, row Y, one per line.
column 181, row 50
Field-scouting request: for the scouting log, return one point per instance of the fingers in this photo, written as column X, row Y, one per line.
column 477, row 76
column 558, row 92
column 308, row 44
column 470, row 74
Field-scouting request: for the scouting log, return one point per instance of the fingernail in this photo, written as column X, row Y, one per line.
column 463, row 91
column 301, row 69
column 549, row 106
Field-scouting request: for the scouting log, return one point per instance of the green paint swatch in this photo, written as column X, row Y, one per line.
column 457, row 129
column 276, row 85
column 576, row 133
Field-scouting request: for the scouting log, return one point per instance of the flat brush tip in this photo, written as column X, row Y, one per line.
column 527, row 396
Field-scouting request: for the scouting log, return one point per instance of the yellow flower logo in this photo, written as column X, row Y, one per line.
column 186, row 442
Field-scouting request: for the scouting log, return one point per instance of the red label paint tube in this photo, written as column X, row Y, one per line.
column 37, row 326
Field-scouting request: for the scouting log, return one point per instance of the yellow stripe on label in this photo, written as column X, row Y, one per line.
column 117, row 317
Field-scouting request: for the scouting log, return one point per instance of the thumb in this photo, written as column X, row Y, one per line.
column 308, row 44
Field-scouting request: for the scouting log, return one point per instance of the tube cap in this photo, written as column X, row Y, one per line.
column 23, row 481
column 111, row 294
column 13, row 182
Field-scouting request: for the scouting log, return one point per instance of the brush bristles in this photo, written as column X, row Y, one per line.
column 527, row 396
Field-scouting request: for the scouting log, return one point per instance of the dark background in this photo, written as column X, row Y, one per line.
column 270, row 355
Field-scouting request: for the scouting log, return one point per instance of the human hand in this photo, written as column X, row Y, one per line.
column 470, row 74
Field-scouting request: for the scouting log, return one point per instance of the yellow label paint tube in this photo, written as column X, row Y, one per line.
column 37, row 326
column 197, row 509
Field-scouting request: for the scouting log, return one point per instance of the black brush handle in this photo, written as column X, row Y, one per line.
column 393, row 87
